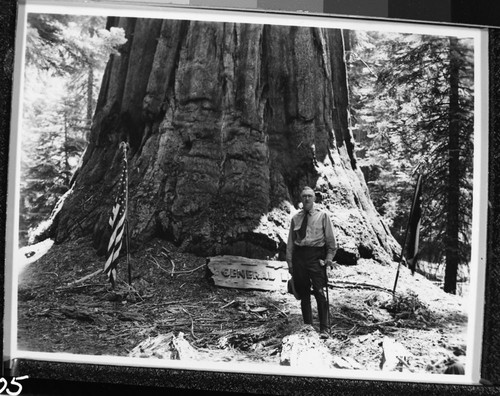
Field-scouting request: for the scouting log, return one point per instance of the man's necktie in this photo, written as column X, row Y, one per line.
column 303, row 226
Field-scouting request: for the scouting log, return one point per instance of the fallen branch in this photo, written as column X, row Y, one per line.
column 345, row 317
column 353, row 329
column 359, row 323
column 228, row 304
column 71, row 284
column 166, row 253
column 387, row 322
column 357, row 285
column 405, row 364
column 280, row 311
column 172, row 302
column 190, row 271
column 133, row 290
column 172, row 271
column 192, row 322
column 160, row 267
column 79, row 287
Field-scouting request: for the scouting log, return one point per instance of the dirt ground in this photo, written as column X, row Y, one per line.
column 233, row 325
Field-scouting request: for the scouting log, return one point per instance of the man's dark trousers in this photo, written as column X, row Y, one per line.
column 307, row 272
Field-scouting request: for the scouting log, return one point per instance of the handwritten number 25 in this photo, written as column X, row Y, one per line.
column 14, row 382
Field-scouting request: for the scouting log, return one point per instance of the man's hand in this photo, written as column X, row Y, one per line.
column 330, row 263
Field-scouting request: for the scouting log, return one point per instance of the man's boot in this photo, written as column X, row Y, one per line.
column 323, row 319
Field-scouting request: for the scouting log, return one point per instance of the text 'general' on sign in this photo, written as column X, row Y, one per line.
column 245, row 273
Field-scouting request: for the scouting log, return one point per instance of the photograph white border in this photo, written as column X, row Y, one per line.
column 480, row 200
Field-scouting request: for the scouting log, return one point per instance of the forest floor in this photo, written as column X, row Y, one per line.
column 232, row 325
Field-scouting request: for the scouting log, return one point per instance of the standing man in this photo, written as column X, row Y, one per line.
column 311, row 246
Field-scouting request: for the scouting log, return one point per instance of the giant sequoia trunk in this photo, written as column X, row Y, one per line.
column 226, row 123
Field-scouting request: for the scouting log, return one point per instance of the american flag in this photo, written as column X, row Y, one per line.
column 412, row 232
column 117, row 221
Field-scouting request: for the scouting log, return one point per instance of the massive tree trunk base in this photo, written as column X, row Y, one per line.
column 226, row 124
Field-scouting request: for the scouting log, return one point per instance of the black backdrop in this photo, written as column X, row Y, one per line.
column 78, row 379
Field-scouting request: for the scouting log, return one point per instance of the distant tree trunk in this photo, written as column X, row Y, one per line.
column 90, row 100
column 453, row 185
column 226, row 123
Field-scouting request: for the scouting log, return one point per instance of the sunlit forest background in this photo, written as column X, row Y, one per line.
column 65, row 60
column 411, row 107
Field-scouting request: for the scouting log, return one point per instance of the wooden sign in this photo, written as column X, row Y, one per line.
column 244, row 273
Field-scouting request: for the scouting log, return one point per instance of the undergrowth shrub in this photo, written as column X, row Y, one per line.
column 409, row 306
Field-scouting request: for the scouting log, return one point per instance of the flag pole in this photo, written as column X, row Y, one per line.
column 401, row 259
column 127, row 242
column 406, row 233
column 127, row 236
column 327, row 302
